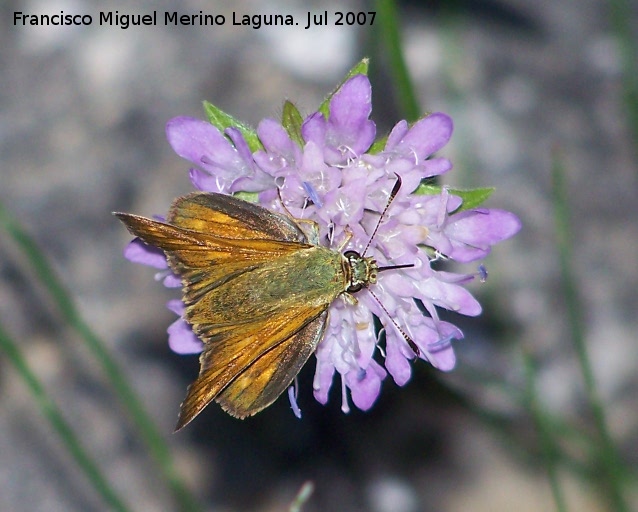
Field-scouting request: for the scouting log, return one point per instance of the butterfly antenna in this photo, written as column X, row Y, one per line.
column 392, row 267
column 407, row 338
column 283, row 205
column 393, row 193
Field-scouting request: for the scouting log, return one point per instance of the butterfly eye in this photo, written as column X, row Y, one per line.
column 354, row 288
column 359, row 275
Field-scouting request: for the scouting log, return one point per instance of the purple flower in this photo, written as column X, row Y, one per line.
column 328, row 173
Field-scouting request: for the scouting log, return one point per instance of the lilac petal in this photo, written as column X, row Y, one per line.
column 447, row 295
column 444, row 359
column 472, row 232
column 195, row 140
column 396, row 135
column 365, row 385
column 441, row 243
column 323, row 381
column 441, row 353
column 241, row 146
column 314, row 170
column 181, row 338
column 396, row 362
column 427, row 135
column 272, row 163
column 404, row 239
column 206, row 182
column 274, row 136
column 365, row 333
column 436, row 167
column 138, row 252
column 280, row 150
column 201, row 143
column 345, row 407
column 411, row 179
column 434, row 209
column 172, row 281
column 350, row 109
column 454, row 278
column 344, row 205
column 324, row 371
column 314, row 129
column 397, row 283
column 176, row 306
column 256, row 183
column 254, row 179
column 432, row 338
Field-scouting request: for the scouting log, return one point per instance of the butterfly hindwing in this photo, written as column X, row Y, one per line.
column 251, row 383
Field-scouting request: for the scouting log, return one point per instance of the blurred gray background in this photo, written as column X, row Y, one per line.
column 82, row 134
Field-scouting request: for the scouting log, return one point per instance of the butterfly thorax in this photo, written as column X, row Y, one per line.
column 359, row 271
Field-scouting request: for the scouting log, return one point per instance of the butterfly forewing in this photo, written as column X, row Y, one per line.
column 229, row 217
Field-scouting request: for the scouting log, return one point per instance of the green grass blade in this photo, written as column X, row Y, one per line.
column 621, row 20
column 302, row 497
column 543, row 427
column 56, row 419
column 388, row 17
column 613, row 473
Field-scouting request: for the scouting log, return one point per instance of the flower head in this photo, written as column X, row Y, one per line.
column 328, row 168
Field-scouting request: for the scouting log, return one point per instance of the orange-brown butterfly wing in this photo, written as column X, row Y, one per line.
column 258, row 326
column 249, row 383
column 230, row 217
column 262, row 382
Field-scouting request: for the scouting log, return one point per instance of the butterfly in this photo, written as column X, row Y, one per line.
column 256, row 289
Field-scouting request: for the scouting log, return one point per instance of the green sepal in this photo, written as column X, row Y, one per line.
column 472, row 198
column 291, row 120
column 378, row 145
column 251, row 197
column 221, row 120
column 361, row 68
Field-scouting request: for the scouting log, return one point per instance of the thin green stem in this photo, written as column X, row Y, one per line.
column 612, row 468
column 302, row 497
column 118, row 380
column 520, row 398
column 543, row 428
column 388, row 17
column 64, row 431
column 621, row 24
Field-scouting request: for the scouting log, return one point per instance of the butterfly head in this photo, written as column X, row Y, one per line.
column 360, row 271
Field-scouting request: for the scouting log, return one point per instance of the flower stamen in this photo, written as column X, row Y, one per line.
column 312, row 193
column 440, row 345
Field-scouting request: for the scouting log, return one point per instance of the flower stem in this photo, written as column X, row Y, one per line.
column 543, row 428
column 64, row 431
column 610, row 462
column 302, row 497
column 118, row 380
column 621, row 23
column 390, row 34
